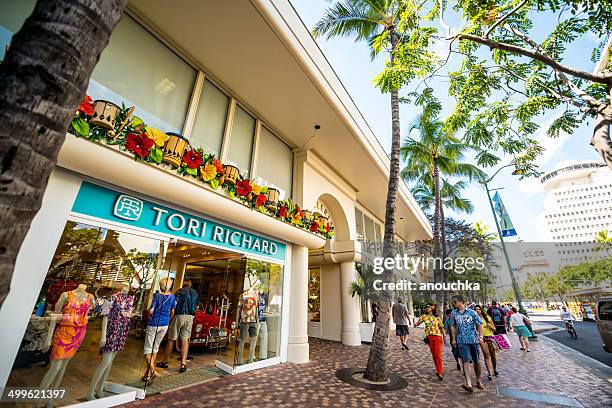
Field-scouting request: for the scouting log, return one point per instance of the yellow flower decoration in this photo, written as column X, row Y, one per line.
column 296, row 218
column 157, row 136
column 256, row 189
column 210, row 172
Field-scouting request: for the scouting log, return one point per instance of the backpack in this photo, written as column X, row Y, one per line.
column 497, row 316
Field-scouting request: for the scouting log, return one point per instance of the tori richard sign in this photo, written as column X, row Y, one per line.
column 106, row 204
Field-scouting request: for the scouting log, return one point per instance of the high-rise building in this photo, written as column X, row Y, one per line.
column 578, row 205
column 579, row 202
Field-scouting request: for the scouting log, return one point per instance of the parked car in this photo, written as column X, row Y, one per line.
column 206, row 331
column 604, row 321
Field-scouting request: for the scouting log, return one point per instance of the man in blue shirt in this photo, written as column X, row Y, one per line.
column 466, row 328
column 184, row 311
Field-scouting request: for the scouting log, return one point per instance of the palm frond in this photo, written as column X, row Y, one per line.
column 350, row 18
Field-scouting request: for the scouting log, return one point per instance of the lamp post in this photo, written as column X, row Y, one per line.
column 515, row 286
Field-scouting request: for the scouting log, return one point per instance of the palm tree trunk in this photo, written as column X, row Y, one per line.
column 444, row 254
column 437, row 238
column 44, row 76
column 376, row 369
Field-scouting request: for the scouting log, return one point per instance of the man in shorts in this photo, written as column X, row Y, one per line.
column 466, row 329
column 186, row 305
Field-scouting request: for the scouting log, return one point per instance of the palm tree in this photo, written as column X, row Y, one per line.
column 433, row 154
column 375, row 21
column 44, row 76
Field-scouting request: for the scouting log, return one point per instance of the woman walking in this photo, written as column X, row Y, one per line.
column 486, row 345
column 447, row 329
column 434, row 336
column 161, row 311
column 518, row 320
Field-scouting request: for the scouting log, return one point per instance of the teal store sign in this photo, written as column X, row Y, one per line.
column 104, row 203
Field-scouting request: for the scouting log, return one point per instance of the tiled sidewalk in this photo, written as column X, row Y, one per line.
column 315, row 384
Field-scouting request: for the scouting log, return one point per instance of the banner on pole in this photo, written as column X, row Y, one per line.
column 505, row 223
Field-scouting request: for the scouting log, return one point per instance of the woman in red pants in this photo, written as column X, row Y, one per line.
column 434, row 335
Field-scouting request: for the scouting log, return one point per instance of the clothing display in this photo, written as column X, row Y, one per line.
column 118, row 313
column 70, row 330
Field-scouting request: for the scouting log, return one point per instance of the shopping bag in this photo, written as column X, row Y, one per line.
column 502, row 341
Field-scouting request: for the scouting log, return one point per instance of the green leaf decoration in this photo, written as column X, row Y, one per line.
column 193, row 172
column 214, row 183
column 156, row 155
column 80, row 126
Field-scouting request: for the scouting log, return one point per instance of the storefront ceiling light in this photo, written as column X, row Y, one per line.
column 165, row 87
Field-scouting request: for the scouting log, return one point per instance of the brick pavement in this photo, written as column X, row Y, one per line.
column 314, row 384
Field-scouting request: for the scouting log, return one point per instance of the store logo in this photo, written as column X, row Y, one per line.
column 128, row 208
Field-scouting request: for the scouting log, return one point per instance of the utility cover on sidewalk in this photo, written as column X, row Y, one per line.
column 538, row 396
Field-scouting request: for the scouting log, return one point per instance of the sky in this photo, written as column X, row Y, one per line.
column 523, row 199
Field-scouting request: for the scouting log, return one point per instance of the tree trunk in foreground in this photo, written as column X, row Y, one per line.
column 601, row 134
column 44, row 77
column 376, row 370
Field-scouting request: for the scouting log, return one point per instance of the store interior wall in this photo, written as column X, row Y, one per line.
column 32, row 263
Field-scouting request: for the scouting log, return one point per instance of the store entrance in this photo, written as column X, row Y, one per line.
column 95, row 318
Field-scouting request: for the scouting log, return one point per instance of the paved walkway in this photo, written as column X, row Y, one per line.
column 544, row 370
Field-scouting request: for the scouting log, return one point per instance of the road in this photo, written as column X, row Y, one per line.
column 588, row 342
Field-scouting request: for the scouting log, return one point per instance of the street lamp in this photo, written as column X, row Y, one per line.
column 517, row 290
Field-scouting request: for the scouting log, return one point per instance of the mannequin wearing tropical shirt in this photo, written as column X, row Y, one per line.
column 66, row 333
column 262, row 329
column 115, row 324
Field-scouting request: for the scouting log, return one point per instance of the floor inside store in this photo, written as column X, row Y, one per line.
column 128, row 368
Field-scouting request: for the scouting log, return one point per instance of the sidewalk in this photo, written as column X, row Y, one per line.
column 314, row 384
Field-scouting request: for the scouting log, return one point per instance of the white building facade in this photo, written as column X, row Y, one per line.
column 244, row 82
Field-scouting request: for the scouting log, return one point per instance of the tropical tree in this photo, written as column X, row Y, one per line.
column 557, row 287
column 512, row 73
column 435, row 153
column 391, row 26
column 536, row 288
column 44, row 76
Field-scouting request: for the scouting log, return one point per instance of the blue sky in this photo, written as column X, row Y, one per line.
column 523, row 199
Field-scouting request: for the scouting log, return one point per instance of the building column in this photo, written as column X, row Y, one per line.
column 297, row 348
column 350, row 306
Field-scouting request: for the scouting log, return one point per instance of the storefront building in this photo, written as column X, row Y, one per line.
column 245, row 83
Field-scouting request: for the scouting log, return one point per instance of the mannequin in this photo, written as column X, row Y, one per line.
column 66, row 333
column 115, row 325
column 262, row 329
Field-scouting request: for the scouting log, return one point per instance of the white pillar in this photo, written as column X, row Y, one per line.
column 297, row 348
column 350, row 306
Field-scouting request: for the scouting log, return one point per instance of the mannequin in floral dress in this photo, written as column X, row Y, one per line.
column 115, row 325
column 66, row 333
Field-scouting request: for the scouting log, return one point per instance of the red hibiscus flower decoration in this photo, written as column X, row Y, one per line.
column 192, row 159
column 298, row 210
column 86, row 107
column 314, row 227
column 327, row 227
column 243, row 188
column 261, row 200
column 218, row 165
column 282, row 212
column 139, row 144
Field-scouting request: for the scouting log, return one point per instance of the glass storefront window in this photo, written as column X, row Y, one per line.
column 359, row 225
column 137, row 69
column 209, row 124
column 241, row 141
column 274, row 163
column 314, row 295
column 369, row 229
column 90, row 315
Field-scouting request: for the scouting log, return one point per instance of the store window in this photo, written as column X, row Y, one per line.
column 314, row 295
column 274, row 163
column 210, row 119
column 241, row 141
column 137, row 69
column 369, row 229
column 91, row 313
column 359, row 225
